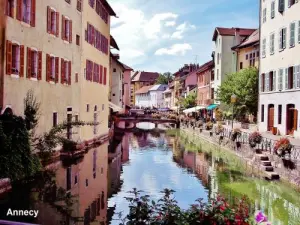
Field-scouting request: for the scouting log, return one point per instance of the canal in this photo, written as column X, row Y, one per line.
column 92, row 189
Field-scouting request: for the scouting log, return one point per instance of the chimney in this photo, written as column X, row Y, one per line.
column 238, row 38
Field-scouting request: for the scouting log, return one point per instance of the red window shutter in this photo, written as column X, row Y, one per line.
column 21, row 74
column 56, row 69
column 28, row 62
column 48, row 67
column 70, row 73
column 62, row 71
column 33, row 8
column 57, row 24
column 92, row 71
column 63, row 23
column 40, row 63
column 104, row 80
column 8, row 57
column 86, row 69
column 93, row 36
column 19, row 10
column 101, row 69
column 70, row 28
column 48, row 19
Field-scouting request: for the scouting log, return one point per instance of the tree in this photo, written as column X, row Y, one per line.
column 244, row 84
column 189, row 101
column 164, row 78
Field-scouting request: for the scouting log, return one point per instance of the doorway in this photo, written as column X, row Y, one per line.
column 291, row 119
column 270, row 117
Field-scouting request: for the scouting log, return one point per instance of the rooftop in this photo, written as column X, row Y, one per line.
column 159, row 87
column 144, row 89
column 251, row 40
column 232, row 31
column 144, row 76
column 205, row 66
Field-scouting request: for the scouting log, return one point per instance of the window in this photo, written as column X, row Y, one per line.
column 217, row 74
column 26, row 11
column 69, row 126
column 75, row 179
column 102, row 107
column 15, row 59
column 297, row 77
column 292, row 34
column 281, row 6
column 246, row 56
column 291, row 2
column 76, row 77
column 65, row 72
column 264, row 15
column 96, row 73
column 252, row 59
column 92, row 3
column 86, row 182
column 66, row 29
column 34, row 64
column 87, row 107
column 289, row 78
column 272, row 81
column 257, row 54
column 262, row 83
column 262, row 113
column 272, row 43
column 218, row 58
column 54, row 116
column 95, row 122
column 104, row 75
column 10, row 8
column 69, row 178
column 280, row 79
column 52, row 21
column 264, row 47
column 76, row 118
column 77, row 40
column 282, row 38
column 52, row 64
column 241, row 65
column 114, row 70
column 279, row 114
column 79, row 5
column 272, row 9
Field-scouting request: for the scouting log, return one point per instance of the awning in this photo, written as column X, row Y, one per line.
column 194, row 109
column 114, row 107
column 212, row 106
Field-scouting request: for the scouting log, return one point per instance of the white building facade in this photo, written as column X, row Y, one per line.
column 167, row 101
column 116, row 93
column 279, row 76
column 150, row 96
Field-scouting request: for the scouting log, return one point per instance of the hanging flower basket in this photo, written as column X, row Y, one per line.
column 254, row 139
column 283, row 147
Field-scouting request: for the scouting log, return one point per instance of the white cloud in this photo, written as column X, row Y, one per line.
column 181, row 29
column 170, row 23
column 176, row 49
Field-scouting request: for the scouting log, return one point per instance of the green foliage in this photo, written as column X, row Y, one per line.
column 189, row 101
column 244, row 84
column 31, row 110
column 164, row 78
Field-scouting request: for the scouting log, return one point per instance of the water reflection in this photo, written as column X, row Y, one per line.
column 91, row 190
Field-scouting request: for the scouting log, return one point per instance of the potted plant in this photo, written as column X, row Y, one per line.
column 254, row 139
column 209, row 125
column 235, row 134
column 283, row 147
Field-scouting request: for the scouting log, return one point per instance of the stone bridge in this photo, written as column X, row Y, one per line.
column 131, row 122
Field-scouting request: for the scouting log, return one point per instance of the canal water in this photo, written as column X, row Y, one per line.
column 92, row 189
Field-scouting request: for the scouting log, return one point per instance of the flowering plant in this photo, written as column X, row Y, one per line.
column 209, row 125
column 255, row 138
column 219, row 128
column 261, row 218
column 283, row 147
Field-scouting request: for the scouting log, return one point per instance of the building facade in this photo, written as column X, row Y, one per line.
column 279, row 74
column 127, row 87
column 140, row 79
column 150, row 96
column 224, row 58
column 205, row 74
column 247, row 52
column 167, row 95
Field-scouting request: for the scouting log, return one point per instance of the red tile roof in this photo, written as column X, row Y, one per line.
column 205, row 66
column 144, row 89
column 231, row 32
column 127, row 67
column 144, row 76
column 253, row 39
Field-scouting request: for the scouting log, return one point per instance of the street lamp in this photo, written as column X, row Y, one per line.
column 232, row 100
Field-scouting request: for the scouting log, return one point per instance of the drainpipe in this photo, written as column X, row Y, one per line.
column 258, row 102
column 2, row 47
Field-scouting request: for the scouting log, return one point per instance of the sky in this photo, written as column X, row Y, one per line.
column 162, row 35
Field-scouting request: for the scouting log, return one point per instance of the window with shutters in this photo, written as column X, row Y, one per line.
column 282, row 38
column 264, row 42
column 272, row 43
column 272, row 9
column 267, row 83
column 79, row 5
column 26, row 11
column 67, row 71
column 280, row 79
column 66, row 29
column 15, row 63
column 34, row 63
column 264, row 18
column 10, row 8
column 52, row 67
column 52, row 21
column 292, row 34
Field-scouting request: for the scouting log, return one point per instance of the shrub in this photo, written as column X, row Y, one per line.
column 166, row 211
column 283, row 147
column 254, row 139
